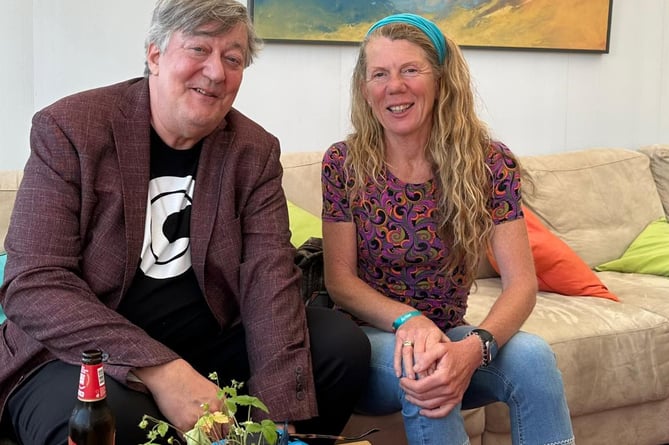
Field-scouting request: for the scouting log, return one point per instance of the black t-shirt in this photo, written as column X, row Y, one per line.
column 165, row 299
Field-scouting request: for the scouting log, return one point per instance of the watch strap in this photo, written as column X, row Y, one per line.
column 488, row 345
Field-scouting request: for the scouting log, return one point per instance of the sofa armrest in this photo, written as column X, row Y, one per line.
column 9, row 184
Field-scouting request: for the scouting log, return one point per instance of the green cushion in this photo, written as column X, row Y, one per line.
column 648, row 253
column 3, row 260
column 303, row 225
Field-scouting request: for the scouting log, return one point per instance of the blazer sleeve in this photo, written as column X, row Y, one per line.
column 66, row 247
column 271, row 307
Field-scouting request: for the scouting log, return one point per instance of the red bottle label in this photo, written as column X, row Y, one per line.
column 92, row 383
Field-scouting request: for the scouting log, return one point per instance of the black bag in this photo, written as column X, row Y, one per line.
column 309, row 258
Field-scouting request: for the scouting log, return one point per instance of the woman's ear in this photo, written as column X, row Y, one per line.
column 363, row 90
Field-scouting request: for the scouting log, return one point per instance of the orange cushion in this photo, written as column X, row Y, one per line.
column 559, row 269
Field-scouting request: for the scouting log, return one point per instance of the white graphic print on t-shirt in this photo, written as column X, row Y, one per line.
column 166, row 249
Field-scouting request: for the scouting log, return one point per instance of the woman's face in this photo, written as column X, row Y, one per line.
column 401, row 88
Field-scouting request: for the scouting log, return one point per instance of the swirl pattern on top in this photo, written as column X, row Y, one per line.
column 399, row 252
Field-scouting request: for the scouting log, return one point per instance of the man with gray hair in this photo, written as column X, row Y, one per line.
column 151, row 224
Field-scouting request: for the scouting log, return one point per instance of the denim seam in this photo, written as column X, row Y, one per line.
column 491, row 369
column 509, row 388
column 569, row 441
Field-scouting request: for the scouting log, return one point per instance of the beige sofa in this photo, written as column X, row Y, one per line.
column 614, row 356
column 9, row 183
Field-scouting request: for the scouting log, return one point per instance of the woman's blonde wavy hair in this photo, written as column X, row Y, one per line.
column 458, row 146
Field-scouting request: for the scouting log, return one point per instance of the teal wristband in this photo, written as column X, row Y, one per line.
column 399, row 321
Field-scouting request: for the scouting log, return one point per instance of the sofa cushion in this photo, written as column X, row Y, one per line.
column 636, row 424
column 9, row 184
column 650, row 292
column 648, row 253
column 303, row 225
column 599, row 344
column 558, row 268
column 596, row 200
column 659, row 165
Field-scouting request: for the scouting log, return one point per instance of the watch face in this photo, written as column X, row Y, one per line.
column 488, row 343
column 485, row 335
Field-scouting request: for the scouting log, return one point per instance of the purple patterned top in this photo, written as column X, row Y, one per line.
column 399, row 252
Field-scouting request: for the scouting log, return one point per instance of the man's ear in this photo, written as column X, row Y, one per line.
column 153, row 58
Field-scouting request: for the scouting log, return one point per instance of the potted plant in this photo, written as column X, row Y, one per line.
column 218, row 428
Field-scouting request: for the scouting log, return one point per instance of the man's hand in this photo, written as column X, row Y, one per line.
column 180, row 392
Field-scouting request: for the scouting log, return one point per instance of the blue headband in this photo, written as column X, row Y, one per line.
column 429, row 28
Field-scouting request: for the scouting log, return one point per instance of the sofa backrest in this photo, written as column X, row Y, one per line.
column 596, row 200
column 659, row 165
column 9, row 184
column 302, row 179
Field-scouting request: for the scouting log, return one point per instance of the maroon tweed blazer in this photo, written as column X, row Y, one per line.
column 77, row 229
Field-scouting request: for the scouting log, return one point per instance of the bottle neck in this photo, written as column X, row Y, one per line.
column 92, row 383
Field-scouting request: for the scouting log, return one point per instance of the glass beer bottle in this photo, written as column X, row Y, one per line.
column 92, row 421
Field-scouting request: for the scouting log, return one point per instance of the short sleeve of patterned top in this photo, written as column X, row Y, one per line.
column 399, row 252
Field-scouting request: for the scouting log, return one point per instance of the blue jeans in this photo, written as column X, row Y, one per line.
column 524, row 375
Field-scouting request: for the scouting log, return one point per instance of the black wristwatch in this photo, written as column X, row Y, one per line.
column 488, row 345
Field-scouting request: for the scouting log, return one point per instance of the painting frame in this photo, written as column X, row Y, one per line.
column 573, row 26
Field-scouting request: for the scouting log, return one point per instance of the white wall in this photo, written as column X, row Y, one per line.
column 82, row 44
column 537, row 102
column 16, row 81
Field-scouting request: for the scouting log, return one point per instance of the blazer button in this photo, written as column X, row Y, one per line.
column 299, row 377
column 299, row 380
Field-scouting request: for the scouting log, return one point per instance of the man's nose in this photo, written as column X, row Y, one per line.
column 214, row 68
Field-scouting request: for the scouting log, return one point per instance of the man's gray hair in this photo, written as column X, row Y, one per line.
column 187, row 16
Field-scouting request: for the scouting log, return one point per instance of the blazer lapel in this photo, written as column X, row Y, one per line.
column 208, row 187
column 131, row 129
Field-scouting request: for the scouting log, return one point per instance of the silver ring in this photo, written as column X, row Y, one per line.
column 407, row 343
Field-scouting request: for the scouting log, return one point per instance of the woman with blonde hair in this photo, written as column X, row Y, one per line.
column 411, row 201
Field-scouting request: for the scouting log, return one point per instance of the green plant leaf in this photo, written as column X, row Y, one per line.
column 162, row 428
column 231, row 407
column 229, row 391
column 245, row 400
column 269, row 432
column 197, row 437
column 206, row 430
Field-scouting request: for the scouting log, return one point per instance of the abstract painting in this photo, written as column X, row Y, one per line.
column 564, row 25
